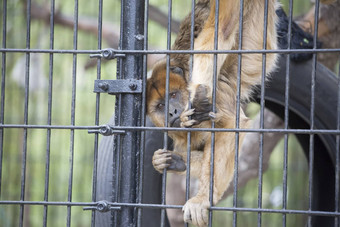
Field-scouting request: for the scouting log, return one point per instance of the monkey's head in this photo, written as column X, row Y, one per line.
column 156, row 94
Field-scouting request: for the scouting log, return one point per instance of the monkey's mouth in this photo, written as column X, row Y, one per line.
column 176, row 123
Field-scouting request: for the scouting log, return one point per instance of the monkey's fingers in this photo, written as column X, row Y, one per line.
column 188, row 123
column 160, row 165
column 161, row 154
column 185, row 115
column 161, row 160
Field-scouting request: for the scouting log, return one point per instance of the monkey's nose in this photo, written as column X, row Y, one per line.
column 174, row 113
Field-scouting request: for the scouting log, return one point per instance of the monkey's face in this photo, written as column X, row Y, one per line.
column 156, row 95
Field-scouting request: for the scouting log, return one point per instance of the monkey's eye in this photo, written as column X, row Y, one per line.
column 173, row 95
column 160, row 106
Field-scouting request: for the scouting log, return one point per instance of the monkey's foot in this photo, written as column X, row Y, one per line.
column 162, row 159
column 196, row 211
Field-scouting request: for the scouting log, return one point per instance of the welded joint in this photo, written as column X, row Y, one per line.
column 106, row 130
column 102, row 206
column 108, row 54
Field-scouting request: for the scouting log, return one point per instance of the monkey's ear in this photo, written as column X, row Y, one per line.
column 177, row 70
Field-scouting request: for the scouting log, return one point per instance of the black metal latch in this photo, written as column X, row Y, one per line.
column 115, row 86
column 118, row 86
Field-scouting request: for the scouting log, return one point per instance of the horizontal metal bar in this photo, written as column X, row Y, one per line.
column 127, row 128
column 49, row 203
column 160, row 206
column 118, row 86
column 261, row 51
column 50, row 51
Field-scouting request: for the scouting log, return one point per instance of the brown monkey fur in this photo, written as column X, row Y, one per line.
column 200, row 89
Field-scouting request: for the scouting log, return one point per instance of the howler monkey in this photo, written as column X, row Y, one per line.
column 198, row 90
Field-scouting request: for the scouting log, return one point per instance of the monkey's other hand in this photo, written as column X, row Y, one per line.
column 196, row 211
column 165, row 159
column 186, row 122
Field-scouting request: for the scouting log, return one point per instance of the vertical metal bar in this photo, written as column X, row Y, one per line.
column 166, row 112
column 3, row 83
column 49, row 113
column 73, row 109
column 312, row 109
column 96, row 121
column 143, row 114
column 238, row 106
column 117, row 147
column 264, row 57
column 286, row 115
column 215, row 73
column 27, row 76
column 191, row 63
column 132, row 67
column 337, row 158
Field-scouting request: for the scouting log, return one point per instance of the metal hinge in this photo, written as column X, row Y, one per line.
column 114, row 87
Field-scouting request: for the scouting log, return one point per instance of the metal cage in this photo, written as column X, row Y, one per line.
column 125, row 190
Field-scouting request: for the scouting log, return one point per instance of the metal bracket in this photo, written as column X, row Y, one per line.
column 118, row 86
column 106, row 130
column 102, row 206
column 107, row 54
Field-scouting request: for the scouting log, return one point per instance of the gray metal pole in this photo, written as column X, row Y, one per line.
column 128, row 112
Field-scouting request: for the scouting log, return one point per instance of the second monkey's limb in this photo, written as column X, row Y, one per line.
column 227, row 30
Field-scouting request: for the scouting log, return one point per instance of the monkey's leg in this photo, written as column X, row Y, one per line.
column 227, row 30
column 196, row 209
